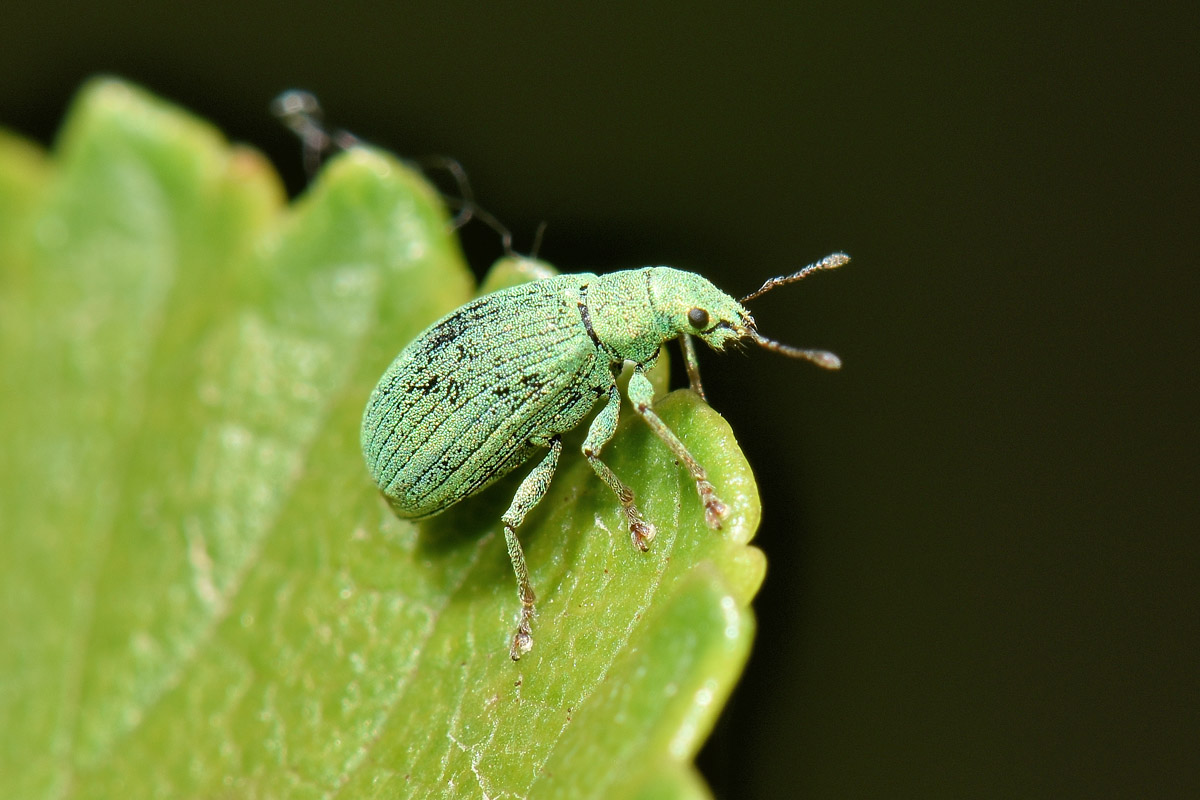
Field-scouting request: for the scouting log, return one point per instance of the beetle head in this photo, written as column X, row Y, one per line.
column 694, row 306
column 685, row 302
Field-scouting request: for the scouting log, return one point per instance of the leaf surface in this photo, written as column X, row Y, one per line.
column 203, row 593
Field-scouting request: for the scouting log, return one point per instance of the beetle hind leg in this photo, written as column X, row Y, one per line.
column 529, row 494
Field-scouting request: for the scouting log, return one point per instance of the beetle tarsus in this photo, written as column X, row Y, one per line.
column 714, row 513
column 640, row 531
column 714, row 509
column 522, row 641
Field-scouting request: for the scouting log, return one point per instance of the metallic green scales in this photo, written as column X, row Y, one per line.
column 472, row 397
column 502, row 378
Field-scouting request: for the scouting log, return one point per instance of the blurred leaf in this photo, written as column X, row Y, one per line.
column 204, row 595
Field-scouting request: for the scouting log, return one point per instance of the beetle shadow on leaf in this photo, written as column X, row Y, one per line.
column 463, row 524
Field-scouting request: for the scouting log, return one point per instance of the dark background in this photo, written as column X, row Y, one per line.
column 982, row 533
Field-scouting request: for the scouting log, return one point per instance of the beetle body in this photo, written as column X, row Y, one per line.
column 476, row 394
column 483, row 389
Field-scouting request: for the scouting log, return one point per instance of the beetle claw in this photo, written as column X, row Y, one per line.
column 714, row 509
column 642, row 533
column 522, row 641
column 714, row 512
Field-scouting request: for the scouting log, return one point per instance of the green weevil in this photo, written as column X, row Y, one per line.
column 489, row 385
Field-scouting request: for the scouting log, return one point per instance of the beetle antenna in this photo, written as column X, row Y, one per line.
column 468, row 208
column 464, row 203
column 822, row 358
column 828, row 262
column 537, row 239
column 301, row 112
column 489, row 219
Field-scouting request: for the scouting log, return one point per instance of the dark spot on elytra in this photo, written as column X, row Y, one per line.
column 448, row 331
column 427, row 386
column 532, row 381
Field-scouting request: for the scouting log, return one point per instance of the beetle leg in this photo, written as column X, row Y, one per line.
column 529, row 494
column 602, row 429
column 688, row 345
column 641, row 394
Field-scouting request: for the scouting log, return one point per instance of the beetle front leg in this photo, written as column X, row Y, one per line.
column 641, row 394
column 529, row 494
column 602, row 429
column 692, row 364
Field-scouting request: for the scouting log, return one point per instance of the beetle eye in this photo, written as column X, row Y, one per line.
column 699, row 318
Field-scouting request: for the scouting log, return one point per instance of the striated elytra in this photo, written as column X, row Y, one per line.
column 500, row 379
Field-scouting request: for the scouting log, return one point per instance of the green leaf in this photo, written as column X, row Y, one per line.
column 204, row 595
